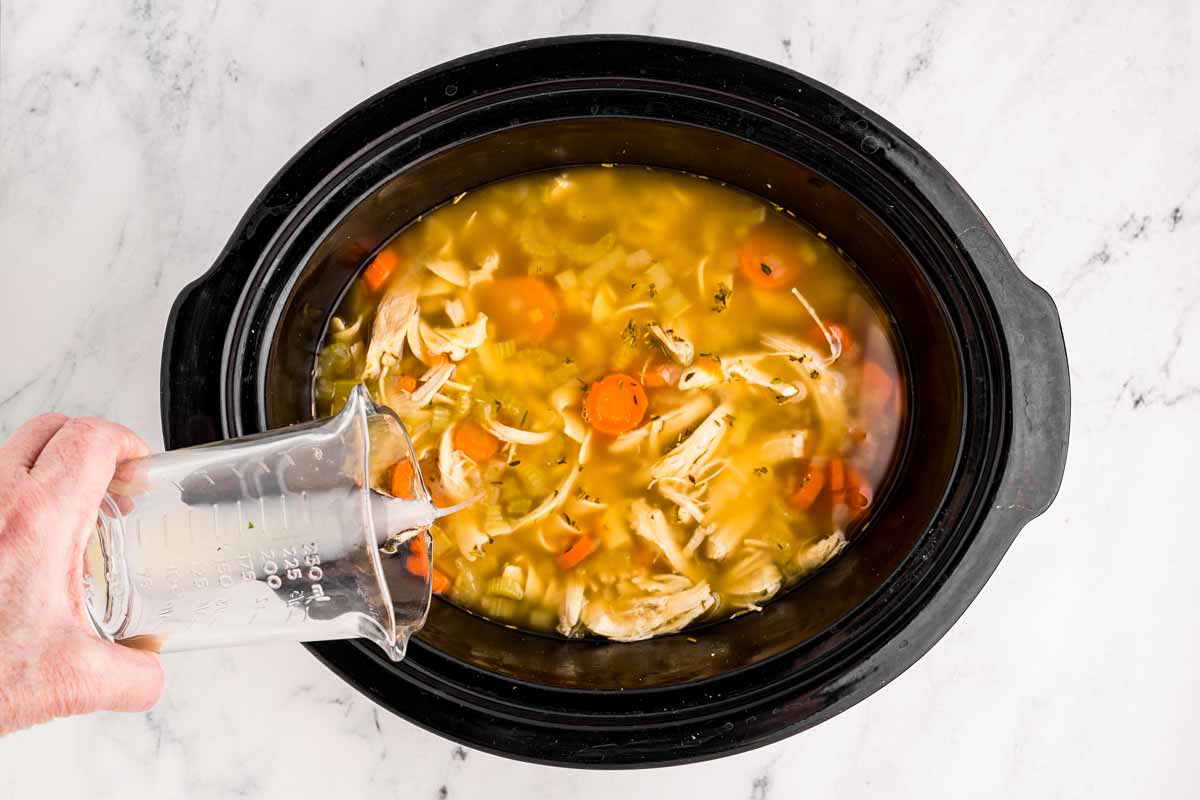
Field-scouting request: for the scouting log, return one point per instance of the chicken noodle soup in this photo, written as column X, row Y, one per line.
column 671, row 399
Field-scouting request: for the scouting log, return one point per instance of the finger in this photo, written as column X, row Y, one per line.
column 27, row 441
column 122, row 679
column 82, row 456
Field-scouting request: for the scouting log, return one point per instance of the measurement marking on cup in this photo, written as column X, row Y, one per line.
column 308, row 520
column 283, row 520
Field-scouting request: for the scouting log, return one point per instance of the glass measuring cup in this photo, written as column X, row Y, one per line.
column 278, row 536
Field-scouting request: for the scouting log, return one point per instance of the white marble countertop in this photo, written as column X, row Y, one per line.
column 133, row 136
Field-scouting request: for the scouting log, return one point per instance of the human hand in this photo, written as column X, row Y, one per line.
column 54, row 472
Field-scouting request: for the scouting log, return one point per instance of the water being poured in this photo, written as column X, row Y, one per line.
column 278, row 536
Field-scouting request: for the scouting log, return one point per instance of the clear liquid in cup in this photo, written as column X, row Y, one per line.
column 274, row 537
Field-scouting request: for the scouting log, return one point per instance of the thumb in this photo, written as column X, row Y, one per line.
column 123, row 679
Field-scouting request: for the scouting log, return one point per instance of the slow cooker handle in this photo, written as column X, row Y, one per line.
column 1041, row 394
column 191, row 402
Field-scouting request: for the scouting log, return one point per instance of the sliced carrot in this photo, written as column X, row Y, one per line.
column 405, row 383
column 418, row 547
column 837, row 479
column 475, row 442
column 858, row 491
column 380, row 269
column 661, row 374
column 524, row 308
column 877, row 384
column 811, row 483
column 770, row 259
column 402, row 480
column 616, row 403
column 841, row 332
column 438, row 495
column 417, row 565
column 440, row 582
column 583, row 547
column 708, row 364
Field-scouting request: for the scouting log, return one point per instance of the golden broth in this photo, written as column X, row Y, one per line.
column 752, row 408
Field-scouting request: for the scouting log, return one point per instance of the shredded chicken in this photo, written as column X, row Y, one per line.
column 691, row 509
column 751, row 578
column 392, row 318
column 468, row 536
column 819, row 554
column 834, row 341
column 507, row 433
column 735, row 525
column 486, row 271
column 699, row 377
column 745, row 369
column 680, row 349
column 631, row 619
column 459, row 474
column 826, row 386
column 448, row 270
column 785, row 446
column 572, row 606
column 665, row 427
column 430, row 383
column 455, row 342
column 693, row 454
column 455, row 312
column 652, row 525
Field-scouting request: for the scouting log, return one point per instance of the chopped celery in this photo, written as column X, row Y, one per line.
column 638, row 261
column 510, row 489
column 539, row 356
column 502, row 608
column 508, row 403
column 505, row 349
column 563, row 374
column 543, row 618
column 324, row 390
column 358, row 352
column 503, row 586
column 462, row 405
column 518, row 506
column 465, row 588
column 598, row 271
column 493, row 519
column 441, row 418
column 335, row 361
column 588, row 253
column 567, row 280
column 535, row 587
column 658, row 274
column 341, row 393
column 533, row 477
column 443, row 544
column 604, row 304
column 674, row 303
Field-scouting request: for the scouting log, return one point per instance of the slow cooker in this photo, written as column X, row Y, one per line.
column 989, row 397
